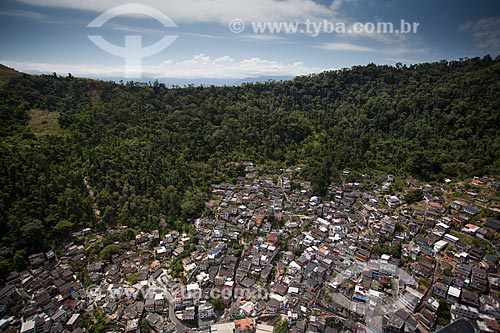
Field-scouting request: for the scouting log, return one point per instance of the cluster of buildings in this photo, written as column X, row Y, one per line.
column 358, row 248
column 358, row 260
column 49, row 297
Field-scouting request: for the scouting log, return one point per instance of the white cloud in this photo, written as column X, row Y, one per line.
column 486, row 33
column 262, row 37
column 126, row 28
column 384, row 49
column 345, row 47
column 194, row 34
column 200, row 66
column 221, row 11
column 23, row 13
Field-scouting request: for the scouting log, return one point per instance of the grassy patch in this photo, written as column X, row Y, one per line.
column 43, row 122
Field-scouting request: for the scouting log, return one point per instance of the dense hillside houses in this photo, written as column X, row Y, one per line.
column 268, row 250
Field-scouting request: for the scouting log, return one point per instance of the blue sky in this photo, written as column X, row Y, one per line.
column 52, row 36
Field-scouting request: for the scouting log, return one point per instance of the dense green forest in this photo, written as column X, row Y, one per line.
column 151, row 152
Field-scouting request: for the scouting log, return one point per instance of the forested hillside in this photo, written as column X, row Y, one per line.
column 150, row 152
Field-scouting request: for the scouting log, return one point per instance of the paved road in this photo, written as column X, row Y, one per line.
column 179, row 326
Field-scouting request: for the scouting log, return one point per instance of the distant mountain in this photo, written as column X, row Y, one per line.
column 170, row 82
column 262, row 79
column 7, row 72
column 197, row 82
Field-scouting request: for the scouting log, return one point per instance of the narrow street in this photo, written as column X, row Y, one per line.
column 179, row 326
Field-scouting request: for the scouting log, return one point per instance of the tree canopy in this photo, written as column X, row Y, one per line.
column 151, row 152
